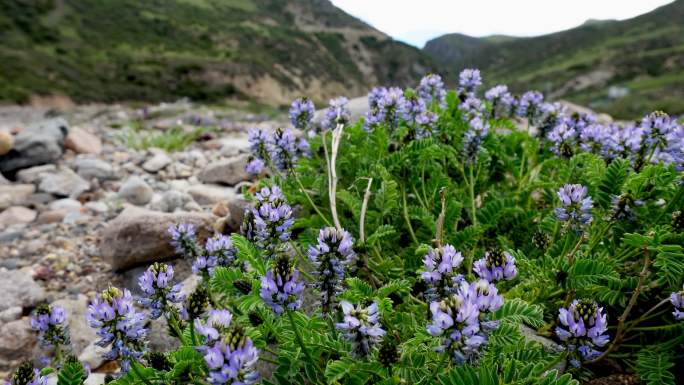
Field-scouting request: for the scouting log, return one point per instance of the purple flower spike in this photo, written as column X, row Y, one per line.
column 575, row 210
column 301, row 113
column 361, row 326
column 281, row 288
column 677, row 300
column 431, row 90
column 583, row 328
column 118, row 325
column 473, row 138
column 260, row 144
column 184, row 239
column 159, row 292
column 50, row 323
column 442, row 272
column 468, row 81
column 496, row 266
column 330, row 256
column 337, row 113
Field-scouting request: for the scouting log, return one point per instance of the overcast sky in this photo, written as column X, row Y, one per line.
column 416, row 21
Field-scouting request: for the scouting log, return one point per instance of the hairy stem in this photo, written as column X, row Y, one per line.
column 439, row 235
column 364, row 207
column 336, row 138
column 406, row 216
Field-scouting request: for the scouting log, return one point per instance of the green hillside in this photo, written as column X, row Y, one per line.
column 151, row 50
column 624, row 68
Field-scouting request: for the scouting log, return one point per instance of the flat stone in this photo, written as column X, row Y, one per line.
column 206, row 194
column 136, row 191
column 229, row 171
column 17, row 342
column 13, row 194
column 19, row 289
column 64, row 183
column 93, row 168
column 157, row 162
column 83, row 142
column 39, row 143
column 11, row 314
column 35, row 173
column 65, row 204
column 138, row 236
column 16, row 215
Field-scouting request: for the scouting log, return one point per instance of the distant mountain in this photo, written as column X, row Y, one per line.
column 625, row 68
column 149, row 50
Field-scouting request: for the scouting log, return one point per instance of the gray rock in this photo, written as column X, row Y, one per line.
column 14, row 194
column 19, row 289
column 171, row 201
column 83, row 142
column 39, row 143
column 81, row 334
column 67, row 204
column 92, row 355
column 34, row 174
column 16, row 215
column 97, row 207
column 64, row 183
column 206, row 194
column 229, row 171
column 548, row 344
column 136, row 191
column 11, row 314
column 159, row 338
column 158, row 161
column 139, row 236
column 93, row 168
column 17, row 342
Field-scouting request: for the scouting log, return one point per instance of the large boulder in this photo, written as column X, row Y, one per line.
column 139, row 236
column 229, row 171
column 19, row 289
column 39, row 143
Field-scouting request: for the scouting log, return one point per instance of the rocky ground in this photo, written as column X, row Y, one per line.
column 80, row 209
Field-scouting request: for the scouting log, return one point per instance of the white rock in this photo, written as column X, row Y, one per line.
column 34, row 174
column 157, row 162
column 11, row 314
column 136, row 191
column 14, row 194
column 19, row 289
column 89, row 167
column 207, row 194
column 229, row 171
column 65, row 204
column 16, row 215
column 64, row 182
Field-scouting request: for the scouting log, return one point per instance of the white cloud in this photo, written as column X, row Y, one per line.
column 416, row 21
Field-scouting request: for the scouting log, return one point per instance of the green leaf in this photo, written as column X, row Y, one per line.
column 246, row 252
column 519, row 311
column 653, row 367
column 71, row 373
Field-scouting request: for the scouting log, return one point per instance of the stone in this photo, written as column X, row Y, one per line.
column 34, row 174
column 6, row 142
column 17, row 342
column 138, row 236
column 170, row 201
column 206, row 194
column 11, row 314
column 97, row 207
column 93, row 379
column 75, row 308
column 65, row 204
column 14, row 194
column 51, row 216
column 92, row 355
column 136, row 191
column 38, row 144
column 16, row 215
column 19, row 289
column 158, row 337
column 64, row 183
column 229, row 171
column 548, row 345
column 81, row 141
column 93, row 168
column 157, row 162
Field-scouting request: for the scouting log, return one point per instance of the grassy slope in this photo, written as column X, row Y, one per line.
column 110, row 50
column 644, row 54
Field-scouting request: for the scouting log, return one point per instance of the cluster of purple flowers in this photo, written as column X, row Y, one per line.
column 27, row 374
column 529, row 105
column 118, row 324
column 50, row 323
column 281, row 148
column 496, row 265
column 460, row 319
column 583, row 328
column 268, row 223
column 302, row 113
column 361, row 326
column 472, row 107
column 281, row 288
column 501, row 99
column 468, row 81
column 218, row 250
column 159, row 291
column 677, row 300
column 337, row 113
column 575, row 210
column 184, row 239
column 473, row 138
column 431, row 90
column 442, row 272
column 623, row 207
column 228, row 352
column 329, row 257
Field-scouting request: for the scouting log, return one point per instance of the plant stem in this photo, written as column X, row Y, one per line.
column 406, row 216
column 471, row 185
column 173, row 324
column 137, row 373
column 193, row 337
column 300, row 341
column 439, row 234
column 364, row 207
column 336, row 137
column 311, row 202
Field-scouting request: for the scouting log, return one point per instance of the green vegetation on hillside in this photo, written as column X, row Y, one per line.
column 593, row 64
